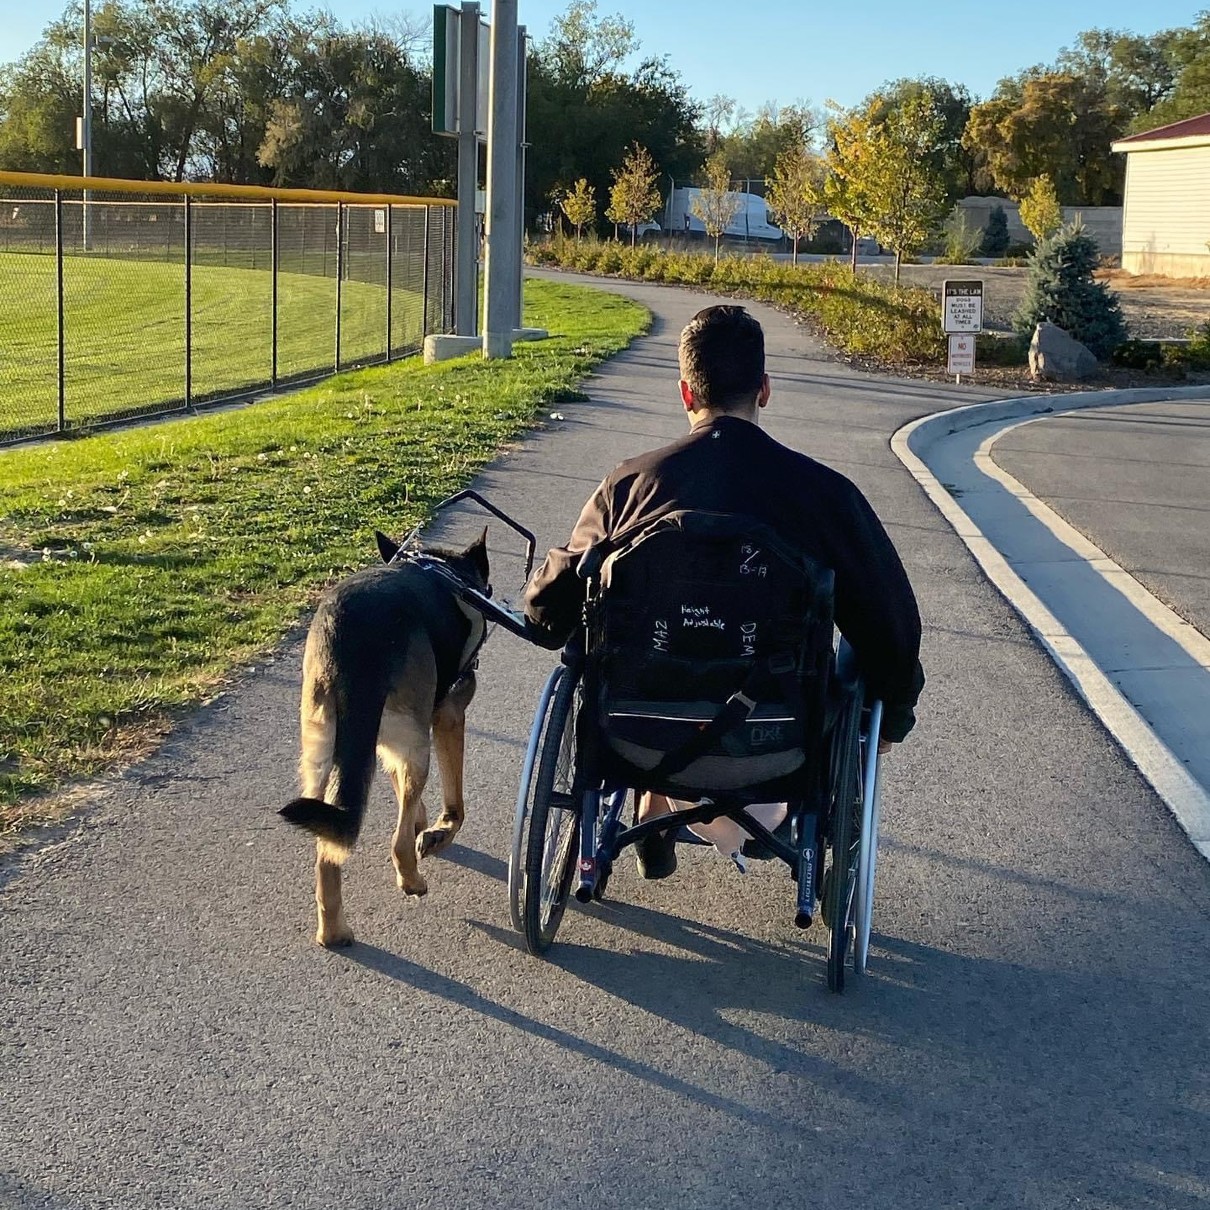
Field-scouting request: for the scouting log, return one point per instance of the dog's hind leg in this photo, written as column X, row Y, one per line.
column 449, row 738
column 315, row 773
column 403, row 746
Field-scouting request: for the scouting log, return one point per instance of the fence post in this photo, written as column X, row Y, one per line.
column 273, row 252
column 424, row 280
column 340, row 271
column 59, row 291
column 188, row 301
column 390, row 278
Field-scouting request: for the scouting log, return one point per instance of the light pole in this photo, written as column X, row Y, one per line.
column 86, row 124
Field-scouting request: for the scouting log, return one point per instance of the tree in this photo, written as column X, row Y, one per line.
column 907, row 189
column 963, row 170
column 1040, row 209
column 1055, row 123
column 635, row 196
column 848, row 188
column 795, row 193
column 753, row 146
column 585, row 107
column 995, row 234
column 580, row 205
column 1187, row 52
column 714, row 203
column 1060, row 289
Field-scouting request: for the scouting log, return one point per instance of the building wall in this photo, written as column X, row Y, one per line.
column 1103, row 223
column 1166, row 225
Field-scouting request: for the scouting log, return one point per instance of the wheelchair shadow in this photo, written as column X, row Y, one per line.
column 455, row 992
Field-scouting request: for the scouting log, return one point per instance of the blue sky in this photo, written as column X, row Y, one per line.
column 798, row 50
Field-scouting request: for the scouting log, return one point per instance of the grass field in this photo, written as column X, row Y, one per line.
column 137, row 567
column 124, row 326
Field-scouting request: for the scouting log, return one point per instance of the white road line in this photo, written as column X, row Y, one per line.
column 1185, row 797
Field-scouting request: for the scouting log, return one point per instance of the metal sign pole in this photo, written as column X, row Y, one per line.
column 503, row 260
column 522, row 67
column 466, row 268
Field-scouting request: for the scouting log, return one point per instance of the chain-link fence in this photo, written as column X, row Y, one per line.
column 115, row 304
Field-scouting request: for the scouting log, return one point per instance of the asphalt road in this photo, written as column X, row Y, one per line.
column 1032, row 1033
column 1136, row 481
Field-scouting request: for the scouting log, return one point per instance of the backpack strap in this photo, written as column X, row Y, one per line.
column 736, row 709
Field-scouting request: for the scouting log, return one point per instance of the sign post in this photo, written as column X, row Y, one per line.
column 961, row 321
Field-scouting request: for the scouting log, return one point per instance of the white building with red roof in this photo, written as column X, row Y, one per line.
column 1166, row 209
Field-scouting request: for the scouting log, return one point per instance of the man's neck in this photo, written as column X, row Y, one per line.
column 705, row 416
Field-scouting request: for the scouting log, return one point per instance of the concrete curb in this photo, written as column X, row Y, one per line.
column 1186, row 798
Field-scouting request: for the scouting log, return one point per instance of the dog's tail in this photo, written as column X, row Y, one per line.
column 352, row 731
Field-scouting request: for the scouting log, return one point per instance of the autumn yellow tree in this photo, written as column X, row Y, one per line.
column 579, row 204
column 795, row 194
column 634, row 196
column 714, row 204
column 849, row 188
column 1040, row 209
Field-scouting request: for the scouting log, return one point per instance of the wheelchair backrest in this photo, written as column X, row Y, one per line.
column 689, row 611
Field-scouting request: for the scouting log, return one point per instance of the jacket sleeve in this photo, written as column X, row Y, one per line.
column 554, row 596
column 876, row 611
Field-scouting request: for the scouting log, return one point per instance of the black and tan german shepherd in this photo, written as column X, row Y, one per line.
column 386, row 669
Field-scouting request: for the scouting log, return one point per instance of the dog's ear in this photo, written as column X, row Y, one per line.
column 386, row 547
column 476, row 552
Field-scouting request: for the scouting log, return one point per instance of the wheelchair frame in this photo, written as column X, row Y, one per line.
column 567, row 836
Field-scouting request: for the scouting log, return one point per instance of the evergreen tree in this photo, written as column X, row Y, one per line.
column 995, row 234
column 1059, row 287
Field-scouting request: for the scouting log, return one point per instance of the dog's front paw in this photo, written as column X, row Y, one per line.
column 436, row 838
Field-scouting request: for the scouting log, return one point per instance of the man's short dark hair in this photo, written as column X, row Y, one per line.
column 722, row 356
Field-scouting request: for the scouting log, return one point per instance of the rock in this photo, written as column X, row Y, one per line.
column 1057, row 357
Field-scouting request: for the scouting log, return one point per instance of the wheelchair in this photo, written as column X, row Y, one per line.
column 705, row 669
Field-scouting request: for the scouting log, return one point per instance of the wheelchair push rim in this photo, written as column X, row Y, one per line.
column 870, row 804
column 844, row 841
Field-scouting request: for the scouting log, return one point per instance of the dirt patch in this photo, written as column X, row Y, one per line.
column 1156, row 308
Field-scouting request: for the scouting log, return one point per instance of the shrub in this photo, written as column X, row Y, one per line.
column 962, row 240
column 995, row 234
column 992, row 349
column 1060, row 288
column 1138, row 355
column 1199, row 346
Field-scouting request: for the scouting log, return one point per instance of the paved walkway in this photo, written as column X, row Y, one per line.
column 1032, row 1033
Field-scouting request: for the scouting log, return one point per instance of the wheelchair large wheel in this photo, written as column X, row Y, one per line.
column 552, row 827
column 525, row 793
column 844, row 836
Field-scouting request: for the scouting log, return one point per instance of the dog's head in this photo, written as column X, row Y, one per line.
column 470, row 563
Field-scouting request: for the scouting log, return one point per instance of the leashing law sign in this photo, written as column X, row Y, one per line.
column 962, row 306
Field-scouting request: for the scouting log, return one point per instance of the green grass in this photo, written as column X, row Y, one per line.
column 137, row 567
column 124, row 329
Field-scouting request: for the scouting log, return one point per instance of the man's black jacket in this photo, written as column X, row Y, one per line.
column 729, row 465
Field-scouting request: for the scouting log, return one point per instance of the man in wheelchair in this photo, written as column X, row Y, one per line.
column 809, row 522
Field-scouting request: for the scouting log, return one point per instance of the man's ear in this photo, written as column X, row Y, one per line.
column 476, row 552
column 687, row 396
column 766, row 389
column 387, row 548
